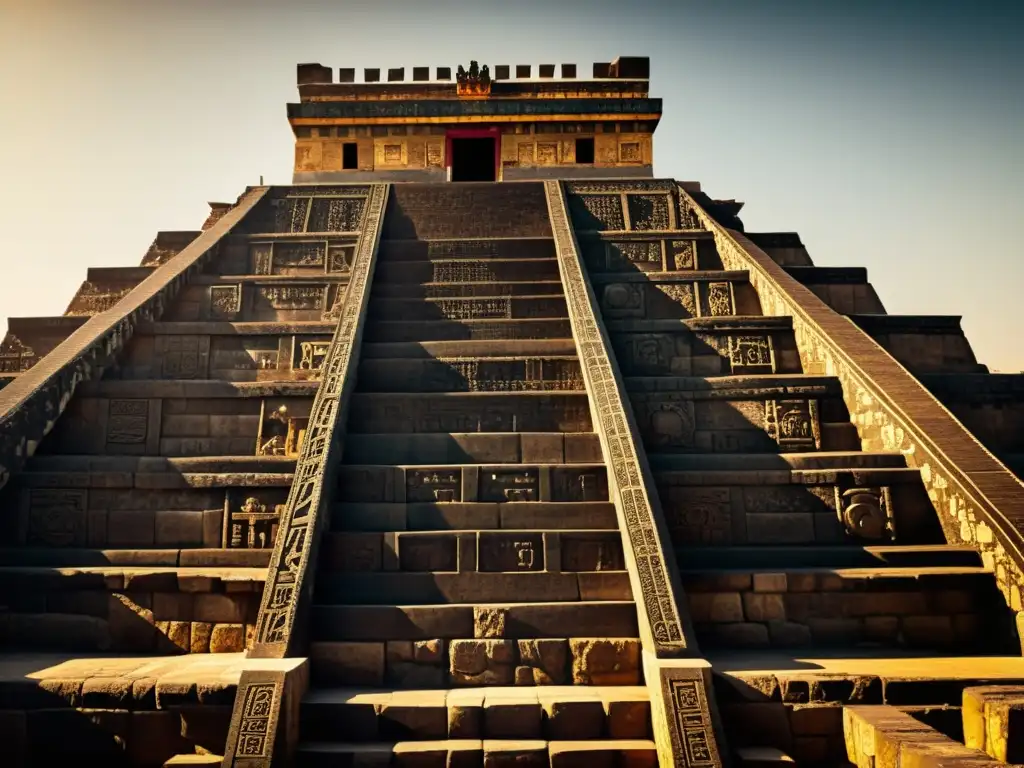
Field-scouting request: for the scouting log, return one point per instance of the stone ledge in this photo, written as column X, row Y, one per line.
column 882, row 736
column 737, row 387
column 992, row 720
column 721, row 324
column 205, row 389
column 697, row 275
column 254, row 559
column 219, row 328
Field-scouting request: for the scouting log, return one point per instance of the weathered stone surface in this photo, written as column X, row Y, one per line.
column 598, row 661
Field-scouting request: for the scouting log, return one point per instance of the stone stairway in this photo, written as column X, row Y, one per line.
column 471, row 600
column 813, row 570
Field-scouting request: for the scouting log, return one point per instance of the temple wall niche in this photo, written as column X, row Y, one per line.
column 611, row 150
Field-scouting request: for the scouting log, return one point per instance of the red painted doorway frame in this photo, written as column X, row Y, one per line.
column 484, row 132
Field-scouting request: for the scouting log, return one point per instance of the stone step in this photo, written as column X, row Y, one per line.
column 476, row 330
column 473, row 448
column 992, row 721
column 425, row 588
column 469, row 348
column 466, row 210
column 457, row 271
column 915, row 607
column 512, row 621
column 827, row 676
column 784, row 558
column 879, row 730
column 548, row 712
column 490, row 374
column 819, row 460
column 439, row 663
column 473, row 551
column 61, row 557
column 476, row 249
column 472, row 308
column 425, row 412
column 451, row 516
column 494, row 753
column 472, row 483
column 449, row 290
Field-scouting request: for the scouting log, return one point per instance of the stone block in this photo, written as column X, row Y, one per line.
column 482, row 662
column 489, row 622
column 219, row 608
column 763, row 607
column 715, row 607
column 179, row 634
column 789, row 634
column 131, row 528
column 512, row 716
column 155, row 738
column 573, row 717
column 350, row 663
column 414, row 715
column 546, row 660
column 627, row 717
column 769, row 582
column 107, row 693
column 178, row 528
column 465, row 713
column 200, row 634
column 227, row 638
column 505, row 753
column 605, row 661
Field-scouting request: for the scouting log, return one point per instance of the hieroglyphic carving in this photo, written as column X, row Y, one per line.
column 313, row 354
column 475, row 309
column 293, row 296
column 290, row 214
column 128, row 422
column 57, row 517
column 254, row 526
column 183, row 357
column 225, row 301
column 684, row 254
column 336, row 214
column 256, row 715
column 682, row 294
column 613, row 420
column 462, row 272
column 598, row 212
column 645, row 253
column 629, row 152
column 339, row 257
column 262, row 258
column 299, row 254
column 687, row 216
column 320, row 451
column 793, row 424
column 720, row 302
column 751, row 354
column 689, row 719
column 648, row 212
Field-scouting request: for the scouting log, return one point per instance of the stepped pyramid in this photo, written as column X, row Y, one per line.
column 481, row 445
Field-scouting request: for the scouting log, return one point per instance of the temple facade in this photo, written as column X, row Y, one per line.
column 482, row 444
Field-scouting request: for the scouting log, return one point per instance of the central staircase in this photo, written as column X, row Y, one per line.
column 472, row 603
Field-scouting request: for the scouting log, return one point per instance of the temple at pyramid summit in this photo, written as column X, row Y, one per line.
column 483, row 444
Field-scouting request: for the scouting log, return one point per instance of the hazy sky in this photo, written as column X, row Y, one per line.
column 890, row 135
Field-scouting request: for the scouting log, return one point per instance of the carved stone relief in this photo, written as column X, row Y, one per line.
column 225, row 301
column 183, row 357
column 793, row 424
column 751, row 354
column 57, row 518
column 598, row 212
column 647, row 212
column 128, row 422
column 684, row 255
column 339, row 214
column 621, row 300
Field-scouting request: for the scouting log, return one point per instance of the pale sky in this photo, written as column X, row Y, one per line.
column 890, row 135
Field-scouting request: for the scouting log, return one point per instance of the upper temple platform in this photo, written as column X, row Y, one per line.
column 483, row 124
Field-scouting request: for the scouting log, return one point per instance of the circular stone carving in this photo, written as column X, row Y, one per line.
column 617, row 296
column 863, row 516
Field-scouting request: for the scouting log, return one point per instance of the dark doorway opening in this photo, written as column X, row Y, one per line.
column 584, row 151
column 473, row 159
column 349, row 156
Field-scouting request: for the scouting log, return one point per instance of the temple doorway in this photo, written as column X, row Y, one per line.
column 473, row 159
